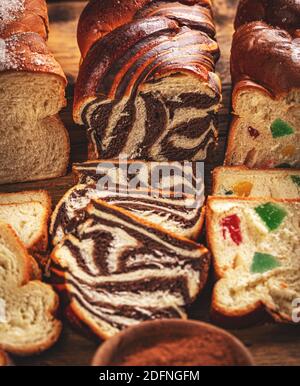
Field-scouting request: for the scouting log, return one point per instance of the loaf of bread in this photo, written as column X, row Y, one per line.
column 28, row 214
column 265, row 68
column 255, row 247
column 240, row 181
column 146, row 88
column 27, row 307
column 34, row 143
column 175, row 214
column 117, row 270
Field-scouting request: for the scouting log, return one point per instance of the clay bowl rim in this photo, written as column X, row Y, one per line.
column 110, row 347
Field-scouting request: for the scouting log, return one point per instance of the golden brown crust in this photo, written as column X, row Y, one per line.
column 256, row 314
column 102, row 17
column 27, row 51
column 266, row 55
column 31, row 16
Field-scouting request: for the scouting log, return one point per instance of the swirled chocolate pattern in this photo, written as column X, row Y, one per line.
column 134, row 175
column 147, row 88
column 182, row 215
column 118, row 271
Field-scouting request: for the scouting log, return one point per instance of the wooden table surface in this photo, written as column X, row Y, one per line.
column 270, row 344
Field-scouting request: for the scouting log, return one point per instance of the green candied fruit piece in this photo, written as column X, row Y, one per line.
column 281, row 128
column 263, row 262
column 271, row 214
column 296, row 180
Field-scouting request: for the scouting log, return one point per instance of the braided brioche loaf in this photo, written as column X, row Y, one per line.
column 34, row 143
column 265, row 67
column 146, row 87
column 117, row 270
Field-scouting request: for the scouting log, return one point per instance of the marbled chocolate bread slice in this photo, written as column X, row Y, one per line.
column 123, row 174
column 243, row 182
column 118, row 270
column 255, row 245
column 181, row 215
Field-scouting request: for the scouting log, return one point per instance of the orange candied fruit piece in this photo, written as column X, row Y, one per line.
column 243, row 189
column 288, row 151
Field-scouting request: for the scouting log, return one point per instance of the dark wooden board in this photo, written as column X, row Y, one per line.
column 270, row 344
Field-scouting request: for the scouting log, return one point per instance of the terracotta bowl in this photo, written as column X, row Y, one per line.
column 118, row 347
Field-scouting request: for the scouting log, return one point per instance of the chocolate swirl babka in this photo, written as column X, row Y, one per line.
column 182, row 215
column 265, row 67
column 146, row 87
column 176, row 177
column 116, row 270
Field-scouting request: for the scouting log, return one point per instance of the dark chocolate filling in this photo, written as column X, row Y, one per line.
column 192, row 100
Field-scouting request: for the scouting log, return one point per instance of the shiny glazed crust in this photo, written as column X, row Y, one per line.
column 31, row 17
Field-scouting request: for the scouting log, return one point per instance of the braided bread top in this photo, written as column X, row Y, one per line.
column 280, row 13
column 101, row 17
column 23, row 16
column 266, row 45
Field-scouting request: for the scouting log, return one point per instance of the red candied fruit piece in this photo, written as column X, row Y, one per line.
column 232, row 224
column 254, row 133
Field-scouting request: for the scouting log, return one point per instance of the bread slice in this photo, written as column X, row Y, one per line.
column 30, row 222
column 33, row 151
column 182, row 215
column 255, row 246
column 41, row 196
column 27, row 308
column 118, row 270
column 264, row 137
column 243, row 182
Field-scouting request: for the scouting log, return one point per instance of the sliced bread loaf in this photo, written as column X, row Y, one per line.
column 30, row 222
column 118, row 270
column 255, row 245
column 34, row 142
column 27, row 308
column 182, row 215
column 243, row 182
